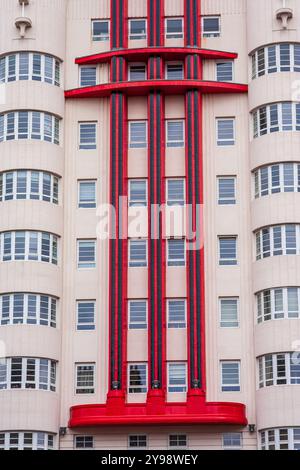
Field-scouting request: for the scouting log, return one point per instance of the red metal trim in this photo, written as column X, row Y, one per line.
column 170, row 87
column 170, row 413
column 144, row 53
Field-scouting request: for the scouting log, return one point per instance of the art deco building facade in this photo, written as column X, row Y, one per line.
column 147, row 338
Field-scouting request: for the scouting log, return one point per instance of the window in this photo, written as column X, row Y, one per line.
column 87, row 136
column 277, row 241
column 174, row 71
column 85, row 378
column 175, row 192
column 28, row 309
column 137, row 313
column 137, row 253
column 84, row 442
column 26, row 184
column 174, row 28
column 279, row 178
column 176, row 252
column 225, row 132
column 230, row 371
column 277, row 304
column 86, row 253
column 137, row 441
column 27, row 373
column 30, row 66
column 175, row 133
column 88, row 76
column 232, row 440
column 226, row 190
column 211, row 26
column 280, row 439
column 85, row 315
column 227, row 251
column 178, row 441
column 137, row 134
column 32, row 125
column 28, row 440
column 28, row 246
column 229, row 313
column 278, row 117
column 87, row 194
column 137, row 193
column 224, row 71
column 279, row 369
column 100, row 30
column 176, row 309
column 137, row 378
column 137, row 29
column 137, row 72
column 177, row 380
column 276, row 58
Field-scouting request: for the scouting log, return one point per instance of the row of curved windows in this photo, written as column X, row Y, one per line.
column 24, row 125
column 277, row 178
column 278, row 303
column 274, row 58
column 27, row 373
column 28, row 246
column 27, row 440
column 279, row 369
column 28, row 309
column 29, row 184
column 280, row 439
column 276, row 117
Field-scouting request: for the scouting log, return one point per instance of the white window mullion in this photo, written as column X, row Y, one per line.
column 288, row 368
column 23, row 372
column 25, row 309
column 281, row 177
column 298, row 239
column 272, row 301
column 277, row 57
column 285, row 302
column 274, row 367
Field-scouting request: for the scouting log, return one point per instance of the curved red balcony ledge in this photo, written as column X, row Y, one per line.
column 167, row 86
column 168, row 53
column 199, row 412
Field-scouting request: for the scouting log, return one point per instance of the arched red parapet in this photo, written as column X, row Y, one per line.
column 171, row 87
column 167, row 53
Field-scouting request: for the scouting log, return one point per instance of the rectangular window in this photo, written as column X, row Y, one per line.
column 87, row 194
column 211, row 26
column 177, row 380
column 176, row 252
column 178, row 440
column 225, row 132
column 137, row 378
column 176, row 309
column 137, row 193
column 86, row 254
column 175, row 133
column 227, row 251
column 138, row 134
column 84, row 442
column 87, row 136
column 230, row 376
column 85, row 378
column 137, row 29
column 174, row 28
column 175, row 192
column 137, row 441
column 226, row 190
column 232, row 440
column 174, row 71
column 229, row 313
column 137, row 72
column 88, row 76
column 100, row 30
column 85, row 315
column 137, row 313
column 137, row 253
column 225, row 71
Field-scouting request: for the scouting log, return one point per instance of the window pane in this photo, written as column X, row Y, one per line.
column 174, row 28
column 176, row 252
column 176, row 313
column 137, row 29
column 225, row 130
column 137, row 378
column 100, row 30
column 138, row 134
column 87, row 136
column 87, row 194
column 226, row 187
column 175, row 133
column 177, row 377
column 225, row 71
column 137, row 314
column 229, row 313
column 88, row 76
column 137, row 253
column 86, row 316
column 86, row 255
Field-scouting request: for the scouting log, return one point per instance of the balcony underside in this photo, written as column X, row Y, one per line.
column 168, row 87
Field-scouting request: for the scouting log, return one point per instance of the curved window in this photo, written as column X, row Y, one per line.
column 27, row 373
column 28, row 309
column 278, row 304
column 278, row 240
column 28, row 184
column 30, row 66
column 277, row 117
column 279, row 178
column 280, row 439
column 279, row 369
column 28, row 246
column 276, row 58
column 33, row 125
column 27, row 440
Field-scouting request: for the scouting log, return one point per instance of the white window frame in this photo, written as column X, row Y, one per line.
column 227, row 201
column 27, row 255
column 276, row 251
column 178, row 447
column 173, row 324
column 134, row 325
column 224, row 143
column 84, row 447
column 21, row 445
column 276, row 379
column 294, row 126
column 260, row 191
column 177, row 201
column 81, row 325
column 140, row 389
column 213, row 34
column 83, row 67
column 178, row 262
column 141, row 145
column 92, row 264
column 138, row 446
column 220, row 62
column 174, row 62
column 174, row 35
column 225, row 388
column 135, row 203
column 137, row 64
column 232, row 447
column 273, row 314
column 137, row 264
column 101, row 38
column 275, row 68
column 85, row 390
column 178, row 387
column 140, row 36
column 90, row 204
column 92, row 145
column 25, row 318
column 279, row 444
column 222, row 321
column 49, row 385
column 175, row 143
column 28, row 194
column 228, row 261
